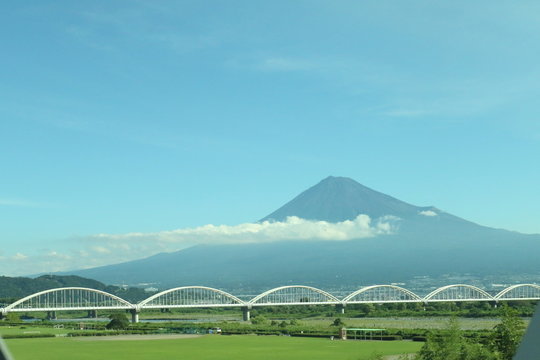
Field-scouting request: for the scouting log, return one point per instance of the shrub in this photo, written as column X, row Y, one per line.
column 118, row 322
column 26, row 336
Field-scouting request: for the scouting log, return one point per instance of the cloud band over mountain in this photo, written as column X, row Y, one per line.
column 102, row 249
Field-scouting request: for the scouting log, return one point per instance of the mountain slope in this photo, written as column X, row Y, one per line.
column 428, row 242
column 327, row 264
column 337, row 199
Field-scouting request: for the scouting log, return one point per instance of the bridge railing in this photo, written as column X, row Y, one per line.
column 78, row 298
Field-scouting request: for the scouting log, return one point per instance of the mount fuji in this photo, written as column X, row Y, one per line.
column 426, row 242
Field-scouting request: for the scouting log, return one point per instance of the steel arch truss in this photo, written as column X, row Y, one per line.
column 458, row 292
column 381, row 294
column 190, row 296
column 69, row 298
column 294, row 295
column 520, row 292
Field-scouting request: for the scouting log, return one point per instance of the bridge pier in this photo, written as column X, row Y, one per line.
column 51, row 315
column 246, row 315
column 134, row 316
column 340, row 308
column 92, row 314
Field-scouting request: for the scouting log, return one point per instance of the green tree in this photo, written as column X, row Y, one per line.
column 444, row 346
column 507, row 335
column 118, row 322
column 338, row 322
column 366, row 309
column 13, row 317
column 477, row 352
column 259, row 320
column 451, row 345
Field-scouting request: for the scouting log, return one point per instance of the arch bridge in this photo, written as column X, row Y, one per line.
column 92, row 300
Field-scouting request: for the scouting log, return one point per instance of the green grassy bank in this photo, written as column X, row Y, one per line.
column 209, row 347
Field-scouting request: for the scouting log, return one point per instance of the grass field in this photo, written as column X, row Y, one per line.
column 206, row 348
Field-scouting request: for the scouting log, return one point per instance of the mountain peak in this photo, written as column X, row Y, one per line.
column 338, row 178
column 337, row 199
column 341, row 180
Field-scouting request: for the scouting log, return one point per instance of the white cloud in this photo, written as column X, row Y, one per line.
column 57, row 255
column 104, row 249
column 19, row 257
column 428, row 213
column 101, row 249
column 294, row 228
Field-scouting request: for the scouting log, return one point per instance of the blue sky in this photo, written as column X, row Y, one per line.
column 147, row 116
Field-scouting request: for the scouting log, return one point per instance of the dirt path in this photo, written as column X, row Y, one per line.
column 136, row 337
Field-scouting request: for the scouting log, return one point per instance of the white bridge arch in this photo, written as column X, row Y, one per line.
column 69, row 298
column 80, row 298
column 190, row 296
column 458, row 292
column 294, row 295
column 520, row 292
column 381, row 294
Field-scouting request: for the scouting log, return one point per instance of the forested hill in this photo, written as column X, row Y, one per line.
column 12, row 288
